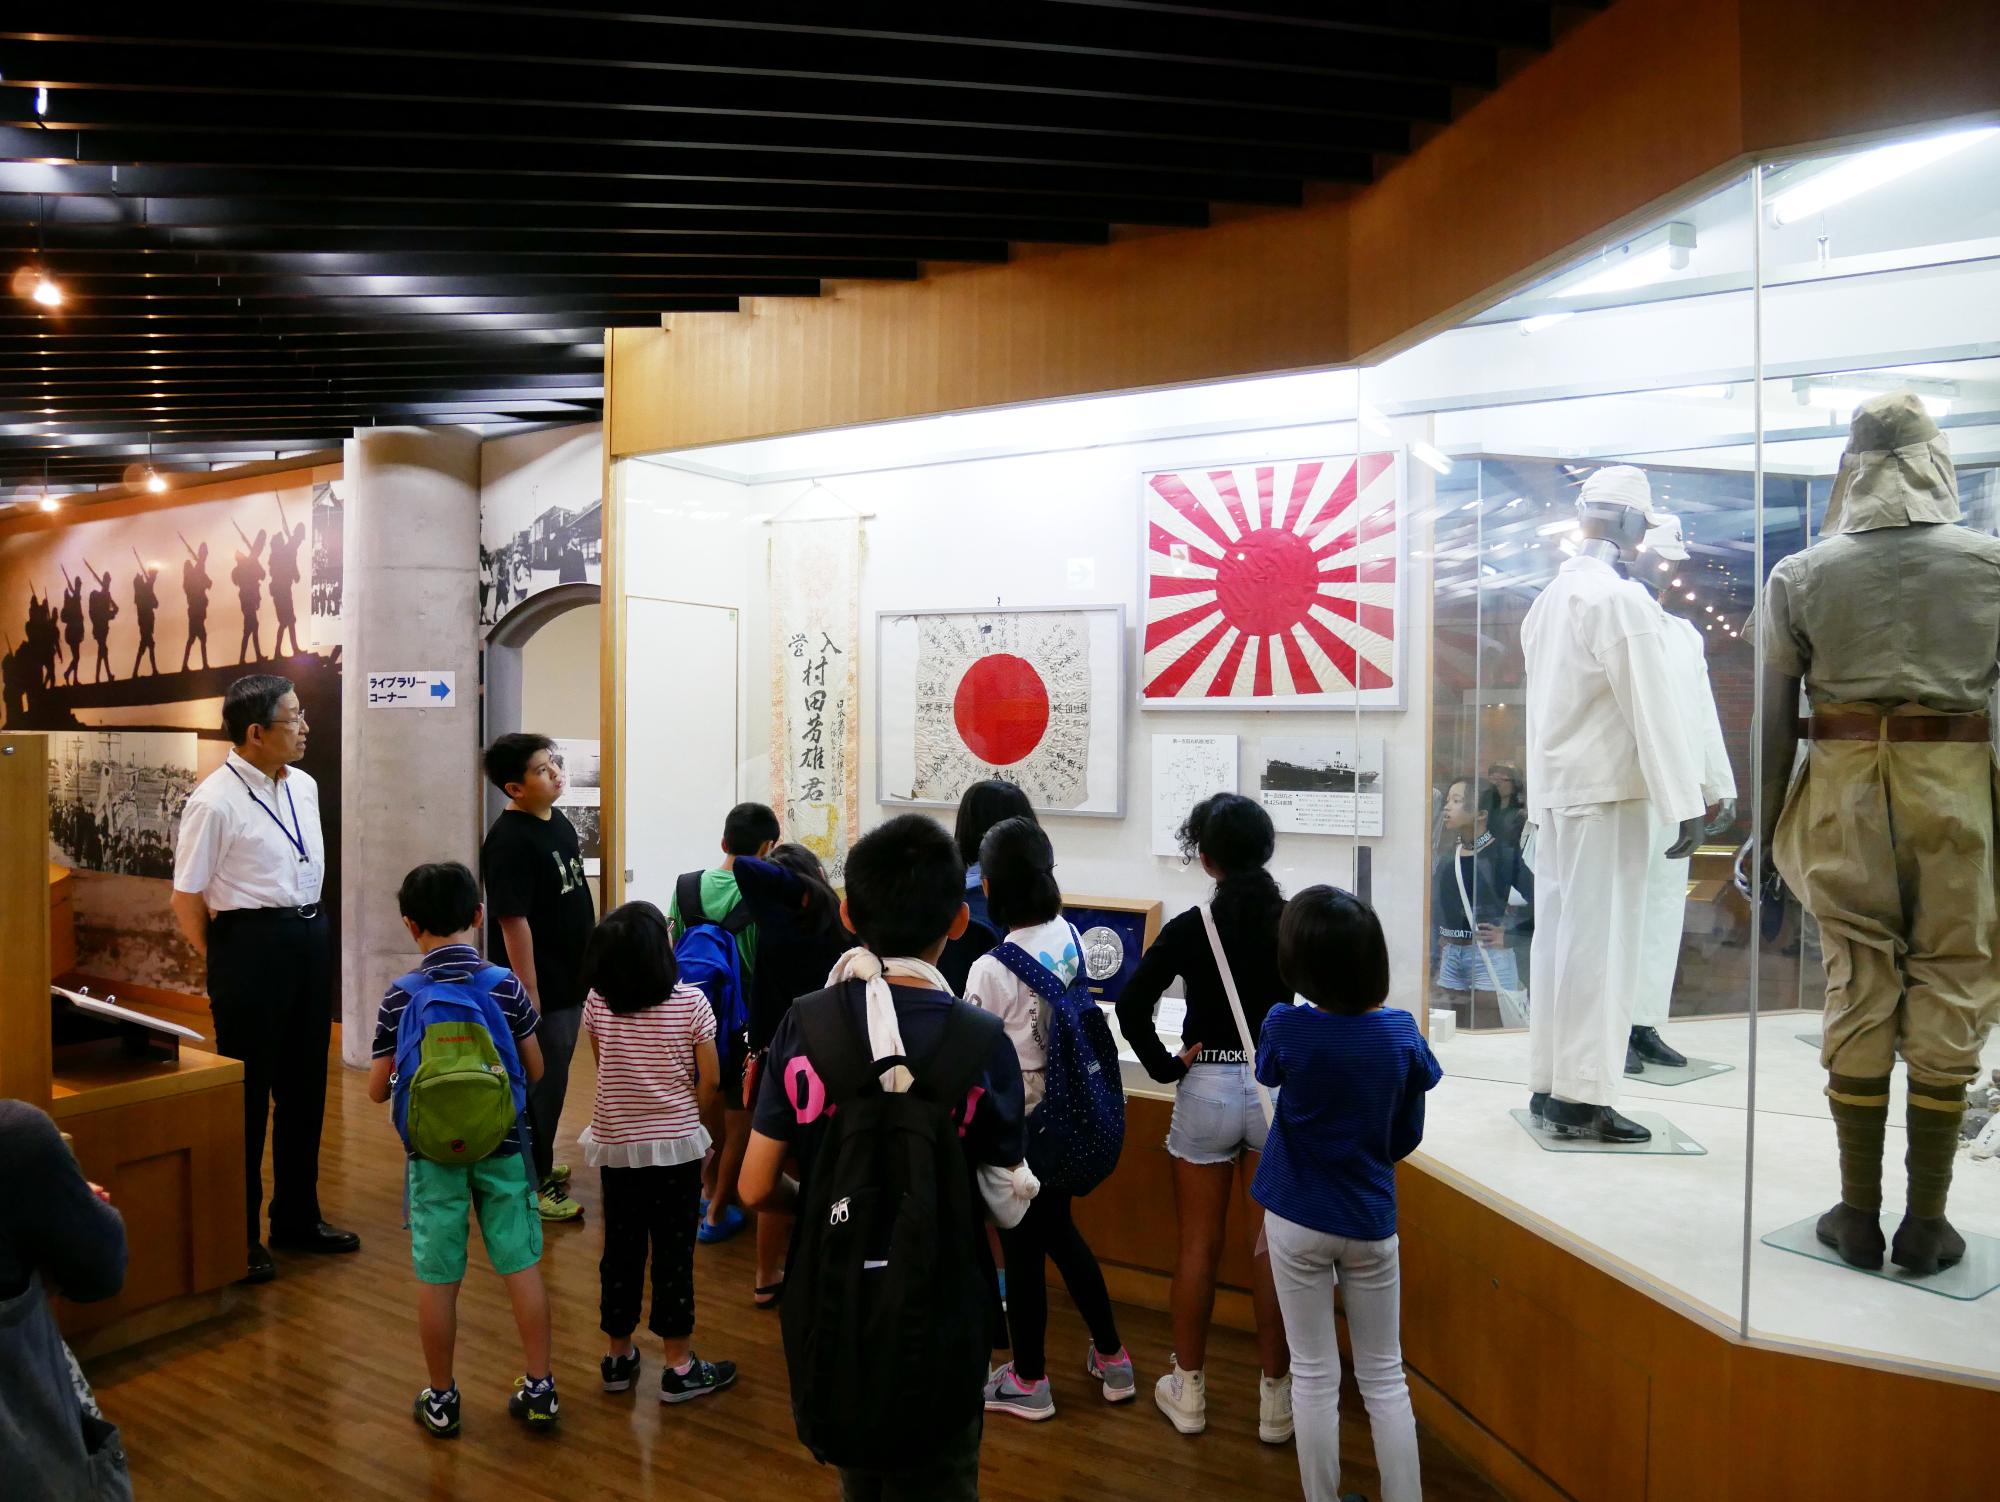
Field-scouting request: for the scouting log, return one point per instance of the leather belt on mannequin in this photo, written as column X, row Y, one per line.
column 1857, row 725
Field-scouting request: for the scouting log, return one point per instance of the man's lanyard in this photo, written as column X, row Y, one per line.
column 295, row 836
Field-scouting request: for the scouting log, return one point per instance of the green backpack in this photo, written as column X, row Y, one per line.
column 458, row 1088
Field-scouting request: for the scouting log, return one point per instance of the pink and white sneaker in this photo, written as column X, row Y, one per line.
column 1006, row 1393
column 1121, row 1384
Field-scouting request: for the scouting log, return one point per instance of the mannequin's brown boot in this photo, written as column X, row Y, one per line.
column 1925, row 1246
column 1855, row 1234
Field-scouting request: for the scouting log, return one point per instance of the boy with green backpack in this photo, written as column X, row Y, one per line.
column 455, row 1048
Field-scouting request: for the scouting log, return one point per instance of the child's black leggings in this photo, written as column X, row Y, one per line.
column 1047, row 1231
column 660, row 1205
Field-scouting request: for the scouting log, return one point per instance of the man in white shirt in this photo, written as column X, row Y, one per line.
column 1608, row 756
column 248, row 870
column 1666, row 882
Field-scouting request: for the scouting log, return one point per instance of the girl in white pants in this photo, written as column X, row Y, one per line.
column 1353, row 1075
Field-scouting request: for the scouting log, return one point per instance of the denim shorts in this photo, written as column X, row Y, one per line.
column 1461, row 969
column 1218, row 1115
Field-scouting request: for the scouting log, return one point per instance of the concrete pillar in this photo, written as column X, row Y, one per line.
column 410, row 777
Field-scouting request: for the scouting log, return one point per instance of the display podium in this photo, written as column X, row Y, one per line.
column 163, row 1135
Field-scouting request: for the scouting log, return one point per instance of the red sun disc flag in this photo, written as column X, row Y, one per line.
column 1003, row 693
column 1274, row 585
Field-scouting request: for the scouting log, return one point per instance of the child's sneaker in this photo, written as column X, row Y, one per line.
column 554, row 1203
column 1006, row 1393
column 708, row 1234
column 438, row 1411
column 1274, row 1409
column 1183, row 1398
column 559, row 1176
column 698, row 1381
column 1121, row 1384
column 534, row 1403
column 620, row 1372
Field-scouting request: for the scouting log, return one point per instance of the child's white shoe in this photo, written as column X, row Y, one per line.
column 1274, row 1409
column 1183, row 1398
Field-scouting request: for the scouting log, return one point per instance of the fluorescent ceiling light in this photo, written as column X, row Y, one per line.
column 1569, row 525
column 1423, row 453
column 1542, row 321
column 1842, row 400
column 1870, row 169
column 1700, row 393
column 1638, row 263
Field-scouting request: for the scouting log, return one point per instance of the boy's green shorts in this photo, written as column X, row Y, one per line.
column 441, row 1196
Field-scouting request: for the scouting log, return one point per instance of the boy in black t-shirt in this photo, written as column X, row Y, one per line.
column 905, row 898
column 539, row 917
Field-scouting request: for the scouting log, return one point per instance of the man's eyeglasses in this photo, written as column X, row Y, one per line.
column 298, row 719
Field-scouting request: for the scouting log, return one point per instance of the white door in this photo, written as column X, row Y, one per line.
column 680, row 740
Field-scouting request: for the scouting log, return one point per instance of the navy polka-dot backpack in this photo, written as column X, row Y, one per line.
column 1078, row 1130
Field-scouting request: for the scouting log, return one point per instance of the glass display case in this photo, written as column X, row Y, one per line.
column 1326, row 586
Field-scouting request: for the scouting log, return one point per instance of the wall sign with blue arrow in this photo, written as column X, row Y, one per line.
column 413, row 690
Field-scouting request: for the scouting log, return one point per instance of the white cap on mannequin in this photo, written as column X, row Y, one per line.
column 1619, row 485
column 1666, row 539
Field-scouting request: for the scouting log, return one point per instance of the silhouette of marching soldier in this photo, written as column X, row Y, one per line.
column 39, row 640
column 103, row 610
column 14, row 670
column 285, row 545
column 195, row 584
column 72, row 619
column 146, row 603
column 248, row 577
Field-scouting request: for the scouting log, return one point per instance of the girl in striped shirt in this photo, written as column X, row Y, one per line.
column 657, row 1070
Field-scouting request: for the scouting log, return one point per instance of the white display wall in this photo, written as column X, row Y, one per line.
column 1011, row 531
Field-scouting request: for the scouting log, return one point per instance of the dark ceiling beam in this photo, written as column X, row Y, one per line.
column 402, row 343
column 530, row 199
column 1296, row 63
column 267, row 305
column 333, row 248
column 257, row 290
column 638, row 224
column 1285, row 145
column 181, row 271
column 136, row 386
column 94, row 422
column 196, row 163
column 1509, row 23
column 224, row 328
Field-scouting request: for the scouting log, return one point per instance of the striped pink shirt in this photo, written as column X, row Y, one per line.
column 646, row 1081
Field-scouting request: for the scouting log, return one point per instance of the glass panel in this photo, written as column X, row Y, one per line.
column 1882, row 274
column 1571, row 914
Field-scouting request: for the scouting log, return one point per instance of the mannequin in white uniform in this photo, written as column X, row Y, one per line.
column 1608, row 755
column 1666, row 885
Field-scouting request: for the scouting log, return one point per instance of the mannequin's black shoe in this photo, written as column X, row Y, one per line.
column 1568, row 1118
column 1855, row 1234
column 1633, row 1063
column 321, row 1238
column 1647, row 1043
column 1923, row 1247
column 262, row 1268
column 1538, row 1105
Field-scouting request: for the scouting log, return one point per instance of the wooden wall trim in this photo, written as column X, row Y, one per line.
column 1639, row 105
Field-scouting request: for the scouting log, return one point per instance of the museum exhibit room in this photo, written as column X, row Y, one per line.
column 1262, row 732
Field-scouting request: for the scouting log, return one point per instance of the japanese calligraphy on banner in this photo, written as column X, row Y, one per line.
column 815, row 684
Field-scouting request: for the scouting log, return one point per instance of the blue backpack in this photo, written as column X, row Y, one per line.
column 1077, row 1132
column 708, row 961
column 458, row 1087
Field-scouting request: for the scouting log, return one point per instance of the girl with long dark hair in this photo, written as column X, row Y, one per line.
column 1218, row 1116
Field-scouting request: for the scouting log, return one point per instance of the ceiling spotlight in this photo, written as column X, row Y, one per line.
column 1690, row 594
column 155, row 481
column 49, row 502
column 47, row 290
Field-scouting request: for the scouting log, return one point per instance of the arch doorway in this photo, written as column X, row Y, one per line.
column 541, row 670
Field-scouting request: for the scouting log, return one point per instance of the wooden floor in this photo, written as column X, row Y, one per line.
column 302, row 1389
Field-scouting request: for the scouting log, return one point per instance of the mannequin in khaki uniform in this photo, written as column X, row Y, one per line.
column 1887, row 832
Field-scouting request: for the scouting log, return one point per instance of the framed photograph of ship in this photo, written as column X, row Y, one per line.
column 1115, row 932
column 1323, row 784
column 1275, row 585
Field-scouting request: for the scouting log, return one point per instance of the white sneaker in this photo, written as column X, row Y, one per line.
column 1183, row 1398
column 1274, row 1409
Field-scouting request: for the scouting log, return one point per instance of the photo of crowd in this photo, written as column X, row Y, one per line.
column 115, row 799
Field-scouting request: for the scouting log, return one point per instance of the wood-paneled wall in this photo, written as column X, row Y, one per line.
column 24, row 917
column 1639, row 104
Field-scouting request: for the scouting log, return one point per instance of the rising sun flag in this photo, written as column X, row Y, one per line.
column 1271, row 583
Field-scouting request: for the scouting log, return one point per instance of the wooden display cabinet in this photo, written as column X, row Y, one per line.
column 164, row 1136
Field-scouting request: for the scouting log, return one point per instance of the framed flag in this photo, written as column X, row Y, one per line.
column 1275, row 585
column 1035, row 696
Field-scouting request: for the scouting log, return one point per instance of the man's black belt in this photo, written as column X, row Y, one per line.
column 237, row 915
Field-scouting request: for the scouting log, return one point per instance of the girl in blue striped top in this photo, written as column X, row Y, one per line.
column 1351, row 1075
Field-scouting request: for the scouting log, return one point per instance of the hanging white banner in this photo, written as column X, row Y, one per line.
column 816, row 684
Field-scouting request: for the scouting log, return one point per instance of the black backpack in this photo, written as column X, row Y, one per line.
column 885, row 1309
